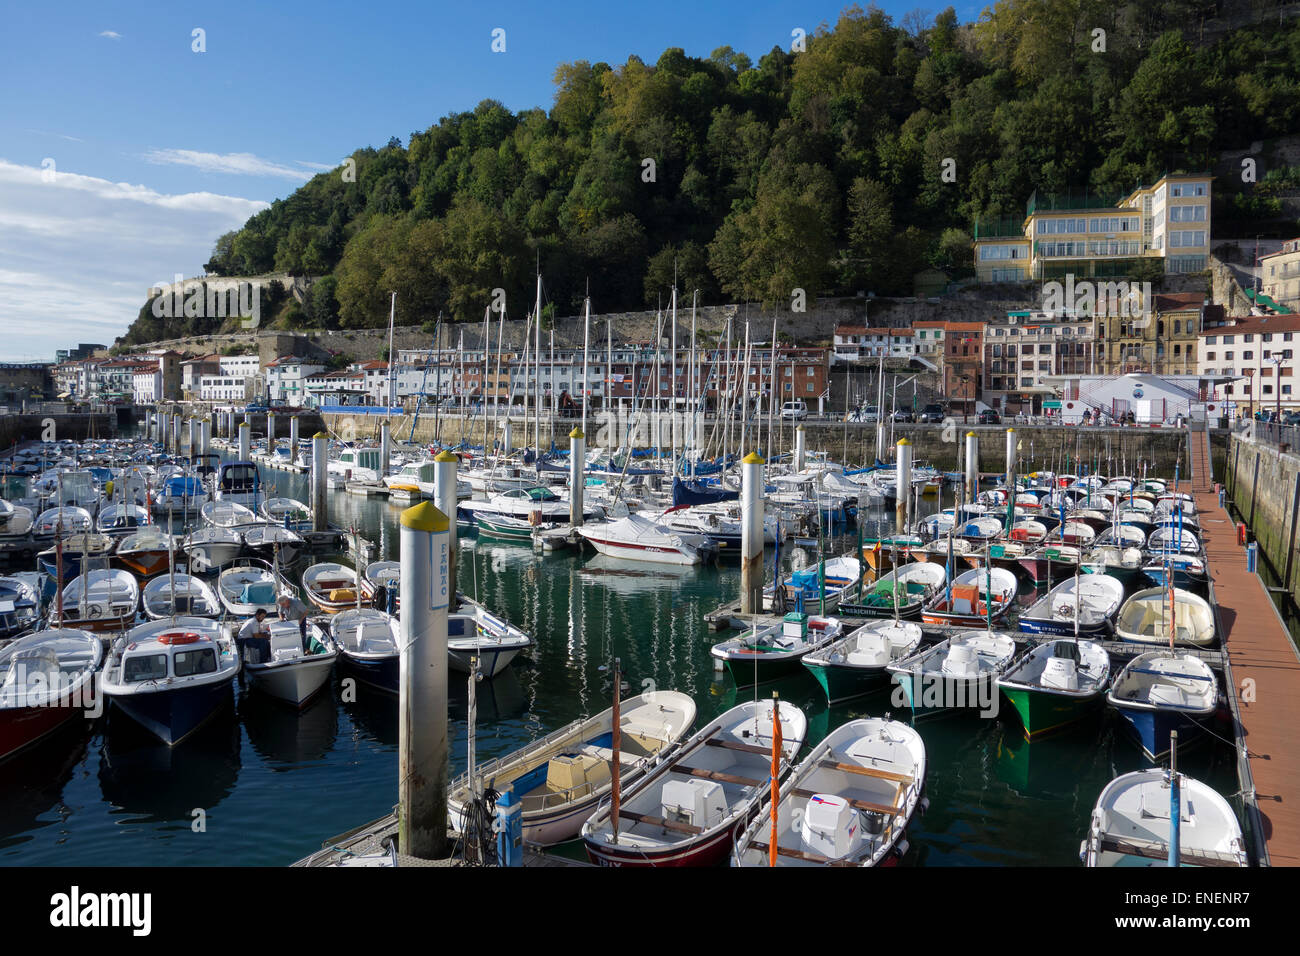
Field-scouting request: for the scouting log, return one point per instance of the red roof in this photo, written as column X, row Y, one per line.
column 1178, row 301
column 1257, row 323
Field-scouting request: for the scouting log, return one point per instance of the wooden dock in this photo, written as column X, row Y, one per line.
column 1263, row 676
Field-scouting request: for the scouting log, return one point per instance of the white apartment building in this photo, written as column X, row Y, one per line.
column 286, row 379
column 858, row 343
column 1255, row 359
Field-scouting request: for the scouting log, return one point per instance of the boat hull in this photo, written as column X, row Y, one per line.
column 943, row 694
column 1042, row 713
column 710, row 851
column 381, row 673
column 24, row 727
column 842, row 682
column 746, row 670
column 491, row 661
column 173, row 714
column 295, row 683
column 1151, row 727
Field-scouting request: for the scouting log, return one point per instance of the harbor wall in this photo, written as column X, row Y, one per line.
column 74, row 426
column 1263, row 484
column 1111, row 450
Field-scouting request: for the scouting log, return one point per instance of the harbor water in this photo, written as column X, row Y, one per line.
column 263, row 784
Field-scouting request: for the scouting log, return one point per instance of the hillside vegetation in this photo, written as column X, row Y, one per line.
column 820, row 169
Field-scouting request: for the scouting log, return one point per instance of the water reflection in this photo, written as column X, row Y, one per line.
column 285, row 736
column 147, row 782
column 33, row 783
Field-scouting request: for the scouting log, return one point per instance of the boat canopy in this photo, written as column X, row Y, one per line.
column 697, row 493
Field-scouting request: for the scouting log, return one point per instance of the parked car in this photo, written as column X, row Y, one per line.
column 794, row 411
column 865, row 413
column 904, row 415
column 932, row 414
column 989, row 417
column 1291, row 418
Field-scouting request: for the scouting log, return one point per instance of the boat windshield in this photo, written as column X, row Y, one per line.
column 143, row 667
column 201, row 661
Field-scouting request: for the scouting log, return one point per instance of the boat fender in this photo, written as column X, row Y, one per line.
column 900, row 850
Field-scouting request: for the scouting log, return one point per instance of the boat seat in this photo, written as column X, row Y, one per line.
column 258, row 592
column 576, row 774
column 964, row 599
column 342, row 595
column 606, row 754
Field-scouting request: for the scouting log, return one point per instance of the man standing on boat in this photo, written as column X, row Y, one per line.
column 255, row 636
column 291, row 609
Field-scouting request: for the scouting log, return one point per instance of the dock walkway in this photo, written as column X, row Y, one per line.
column 1264, row 669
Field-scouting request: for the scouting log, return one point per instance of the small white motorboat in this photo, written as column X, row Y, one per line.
column 978, row 596
column 1055, row 684
column 294, row 673
column 273, row 543
column 179, row 594
column 855, row 665
column 247, row 588
column 1132, row 824
column 762, row 654
column 146, row 552
column 370, row 642
column 685, row 812
column 225, row 513
column 1145, row 618
column 101, row 600
column 121, row 519
column 1082, row 605
column 210, row 548
column 958, row 673
column 474, row 631
column 287, row 513
column 562, row 778
column 848, row 803
column 638, row 538
column 46, row 680
column 1162, row 691
column 332, row 587
column 67, row 519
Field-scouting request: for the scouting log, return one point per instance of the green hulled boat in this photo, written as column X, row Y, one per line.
column 1055, row 684
column 855, row 665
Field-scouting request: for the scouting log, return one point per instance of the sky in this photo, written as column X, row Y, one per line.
column 125, row 152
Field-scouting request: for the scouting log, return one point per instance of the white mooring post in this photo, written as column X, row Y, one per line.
column 245, row 440
column 506, row 438
column 799, row 452
column 176, row 434
column 444, row 482
column 1011, row 461
column 205, row 435
column 577, row 475
column 270, row 435
column 972, row 466
column 751, row 534
column 422, row 722
column 293, row 439
column 904, row 485
column 319, row 472
column 386, row 450
column 194, row 437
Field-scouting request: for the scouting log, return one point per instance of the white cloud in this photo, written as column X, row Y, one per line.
column 239, row 164
column 80, row 253
column 112, row 35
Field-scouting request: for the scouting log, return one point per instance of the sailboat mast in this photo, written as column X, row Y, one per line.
column 586, row 345
column 537, row 386
column 672, row 375
column 392, row 382
column 689, row 439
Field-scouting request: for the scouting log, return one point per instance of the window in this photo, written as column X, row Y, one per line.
column 145, row 667
column 1248, row 337
column 1247, row 355
column 201, row 661
column 1209, row 356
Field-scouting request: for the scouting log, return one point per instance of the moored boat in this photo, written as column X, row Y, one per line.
column 369, row 641
column 857, row 664
column 332, row 587
column 562, row 778
column 1162, row 691
column 978, row 596
column 855, row 795
column 685, row 811
column 1055, row 684
column 171, row 676
column 46, row 680
column 766, row 653
column 179, row 594
column 1132, row 824
column 1145, row 618
column 300, row 664
column 1084, row 605
column 101, row 600
column 958, row 673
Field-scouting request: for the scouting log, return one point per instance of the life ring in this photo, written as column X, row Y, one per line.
column 179, row 637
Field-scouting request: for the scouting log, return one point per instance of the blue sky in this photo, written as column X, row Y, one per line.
column 124, row 153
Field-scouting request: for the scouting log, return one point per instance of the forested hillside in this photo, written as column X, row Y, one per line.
column 819, row 169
